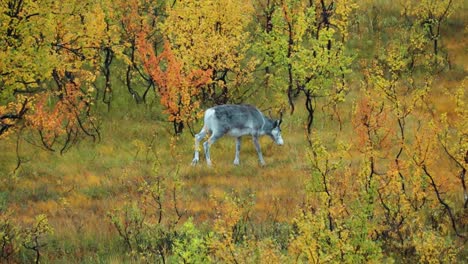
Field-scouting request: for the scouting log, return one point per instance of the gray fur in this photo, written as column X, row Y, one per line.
column 236, row 121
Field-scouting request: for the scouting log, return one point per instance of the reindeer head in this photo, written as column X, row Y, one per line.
column 276, row 130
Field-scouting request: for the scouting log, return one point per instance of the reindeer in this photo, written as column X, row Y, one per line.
column 236, row 121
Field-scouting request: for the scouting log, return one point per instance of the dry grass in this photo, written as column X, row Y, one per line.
column 77, row 190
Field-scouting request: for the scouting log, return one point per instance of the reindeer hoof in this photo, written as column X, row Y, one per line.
column 236, row 162
column 194, row 162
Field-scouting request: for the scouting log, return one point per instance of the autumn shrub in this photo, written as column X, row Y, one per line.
column 434, row 247
column 9, row 237
column 233, row 237
column 145, row 241
column 17, row 241
column 148, row 226
column 190, row 245
column 228, row 230
column 348, row 242
column 148, row 240
column 278, row 233
column 334, row 226
column 35, row 237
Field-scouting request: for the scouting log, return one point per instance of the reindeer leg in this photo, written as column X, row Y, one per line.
column 259, row 151
column 208, row 144
column 238, row 146
column 198, row 138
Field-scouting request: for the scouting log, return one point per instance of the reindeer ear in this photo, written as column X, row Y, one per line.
column 277, row 123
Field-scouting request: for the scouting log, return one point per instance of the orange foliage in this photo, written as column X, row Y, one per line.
column 371, row 123
column 59, row 118
column 178, row 89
